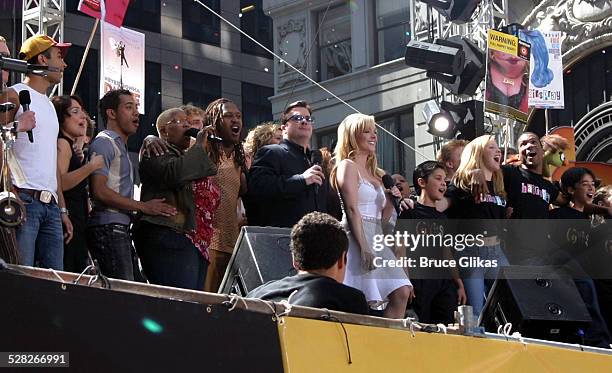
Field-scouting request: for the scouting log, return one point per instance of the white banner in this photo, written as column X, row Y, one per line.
column 546, row 72
column 123, row 61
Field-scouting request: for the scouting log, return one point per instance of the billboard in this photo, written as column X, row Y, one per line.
column 507, row 83
column 123, row 61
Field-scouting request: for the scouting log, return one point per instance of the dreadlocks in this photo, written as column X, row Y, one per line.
column 214, row 116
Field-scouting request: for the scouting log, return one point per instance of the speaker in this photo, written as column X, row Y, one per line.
column 261, row 254
column 540, row 302
column 435, row 57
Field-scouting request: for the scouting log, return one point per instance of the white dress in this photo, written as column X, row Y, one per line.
column 376, row 284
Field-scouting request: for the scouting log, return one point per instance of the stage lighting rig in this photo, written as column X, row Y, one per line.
column 457, row 11
column 449, row 120
column 473, row 70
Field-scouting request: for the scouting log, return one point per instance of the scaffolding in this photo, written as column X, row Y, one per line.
column 428, row 24
column 44, row 17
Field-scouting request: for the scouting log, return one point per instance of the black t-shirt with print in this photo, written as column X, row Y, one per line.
column 422, row 212
column 529, row 194
column 464, row 206
column 573, row 233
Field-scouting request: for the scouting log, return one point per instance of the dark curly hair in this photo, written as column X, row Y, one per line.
column 62, row 104
column 213, row 115
column 317, row 241
column 571, row 177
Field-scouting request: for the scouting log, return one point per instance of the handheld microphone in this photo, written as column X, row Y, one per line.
column 24, row 100
column 316, row 158
column 388, row 183
column 193, row 132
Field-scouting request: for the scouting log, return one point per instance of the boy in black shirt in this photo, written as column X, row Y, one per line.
column 436, row 299
column 572, row 235
column 319, row 246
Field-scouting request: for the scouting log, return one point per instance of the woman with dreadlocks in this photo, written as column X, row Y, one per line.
column 226, row 119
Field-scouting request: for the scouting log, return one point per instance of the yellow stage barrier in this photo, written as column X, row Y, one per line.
column 319, row 346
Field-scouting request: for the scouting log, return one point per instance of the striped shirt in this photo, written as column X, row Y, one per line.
column 118, row 170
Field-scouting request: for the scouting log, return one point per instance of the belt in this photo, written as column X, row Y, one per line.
column 43, row 196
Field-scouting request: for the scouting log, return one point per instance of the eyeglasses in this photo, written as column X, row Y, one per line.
column 299, row 118
column 183, row 123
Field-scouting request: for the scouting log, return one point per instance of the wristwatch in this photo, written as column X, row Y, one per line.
column 64, row 210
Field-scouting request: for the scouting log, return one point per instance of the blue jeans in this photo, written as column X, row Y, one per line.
column 169, row 258
column 479, row 280
column 40, row 239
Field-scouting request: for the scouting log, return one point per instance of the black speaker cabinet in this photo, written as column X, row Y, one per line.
column 539, row 302
column 261, row 254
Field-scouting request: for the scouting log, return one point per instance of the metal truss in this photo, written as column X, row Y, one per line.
column 427, row 25
column 44, row 17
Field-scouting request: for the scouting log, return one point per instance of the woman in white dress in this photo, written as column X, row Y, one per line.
column 366, row 210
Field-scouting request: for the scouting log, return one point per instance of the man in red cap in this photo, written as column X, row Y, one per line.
column 34, row 166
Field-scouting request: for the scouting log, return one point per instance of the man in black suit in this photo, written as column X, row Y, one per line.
column 283, row 184
column 319, row 246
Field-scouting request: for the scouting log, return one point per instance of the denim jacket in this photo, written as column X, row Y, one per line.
column 170, row 176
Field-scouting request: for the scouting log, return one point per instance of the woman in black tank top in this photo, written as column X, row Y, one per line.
column 74, row 172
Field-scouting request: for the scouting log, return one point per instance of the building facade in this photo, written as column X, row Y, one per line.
column 191, row 56
column 355, row 49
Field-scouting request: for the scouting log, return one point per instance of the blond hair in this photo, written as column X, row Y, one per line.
column 259, row 137
column 444, row 155
column 190, row 110
column 472, row 159
column 165, row 117
column 347, row 147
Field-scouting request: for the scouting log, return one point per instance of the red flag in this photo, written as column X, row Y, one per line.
column 115, row 10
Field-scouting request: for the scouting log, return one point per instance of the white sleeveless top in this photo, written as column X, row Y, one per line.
column 34, row 165
column 370, row 199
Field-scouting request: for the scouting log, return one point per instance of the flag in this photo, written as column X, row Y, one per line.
column 114, row 9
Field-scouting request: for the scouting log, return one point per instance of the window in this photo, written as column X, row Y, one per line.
column 152, row 106
column 335, row 42
column 89, row 82
column 199, row 24
column 393, row 156
column 143, row 14
column 72, row 6
column 392, row 28
column 328, row 139
column 200, row 89
column 256, row 108
column 257, row 25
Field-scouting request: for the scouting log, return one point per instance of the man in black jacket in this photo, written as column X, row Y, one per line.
column 319, row 246
column 284, row 185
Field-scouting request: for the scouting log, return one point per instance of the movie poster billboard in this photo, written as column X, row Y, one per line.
column 507, row 79
column 546, row 71
column 123, row 61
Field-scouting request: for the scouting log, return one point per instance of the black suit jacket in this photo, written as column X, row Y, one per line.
column 277, row 189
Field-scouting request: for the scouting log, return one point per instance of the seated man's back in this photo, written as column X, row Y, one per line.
column 319, row 246
column 313, row 290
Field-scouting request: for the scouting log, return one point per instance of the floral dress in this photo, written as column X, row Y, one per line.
column 207, row 196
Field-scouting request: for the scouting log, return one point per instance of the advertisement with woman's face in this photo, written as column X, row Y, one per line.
column 507, row 79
